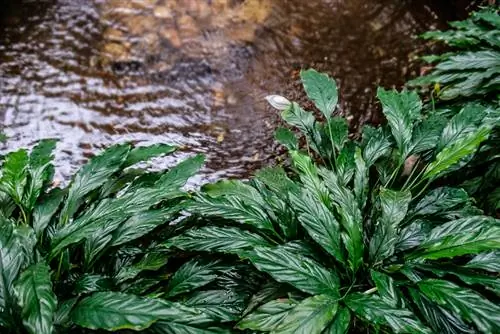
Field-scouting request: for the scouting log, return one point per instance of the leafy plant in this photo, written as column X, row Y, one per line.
column 472, row 69
column 88, row 255
column 362, row 234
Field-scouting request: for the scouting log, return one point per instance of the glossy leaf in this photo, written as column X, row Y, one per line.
column 14, row 175
column 385, row 288
column 296, row 116
column 341, row 322
column 377, row 311
column 376, row 144
column 151, row 261
column 217, row 239
column 321, row 89
column 489, row 261
column 469, row 305
column 439, row 200
column 145, row 153
column 46, row 208
column 426, row 135
column 91, row 176
column 223, row 305
column 311, row 316
column 286, row 138
column 337, row 129
column 267, row 317
column 360, row 179
column 191, row 275
column 37, row 300
column 303, row 273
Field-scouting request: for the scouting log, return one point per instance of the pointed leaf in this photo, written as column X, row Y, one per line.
column 217, row 239
column 46, row 208
column 486, row 261
column 360, row 179
column 385, row 288
column 268, row 316
column 303, row 273
column 14, row 175
column 341, row 322
column 191, row 275
column 36, row 299
column 469, row 305
column 311, row 316
column 224, row 305
column 321, row 89
column 376, row 144
column 286, row 138
column 426, row 135
column 337, row 129
column 296, row 116
column 439, row 200
column 145, row 153
column 377, row 311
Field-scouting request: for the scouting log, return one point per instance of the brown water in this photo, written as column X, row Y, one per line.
column 191, row 72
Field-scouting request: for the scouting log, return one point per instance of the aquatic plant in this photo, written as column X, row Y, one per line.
column 88, row 255
column 361, row 234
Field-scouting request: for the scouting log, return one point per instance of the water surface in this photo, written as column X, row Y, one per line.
column 191, row 72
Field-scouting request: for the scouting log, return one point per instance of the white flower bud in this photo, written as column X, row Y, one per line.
column 278, row 102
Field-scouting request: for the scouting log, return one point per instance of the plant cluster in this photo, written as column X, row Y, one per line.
column 394, row 232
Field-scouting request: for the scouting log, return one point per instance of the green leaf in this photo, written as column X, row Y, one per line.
column 151, row 261
column 426, row 135
column 309, row 176
column 376, row 144
column 114, row 311
column 470, row 235
column 191, row 275
column 12, row 260
column 46, row 208
column 469, row 305
column 234, row 188
column 311, row 316
column 36, row 299
column 394, row 205
column 338, row 130
column 224, row 305
column 401, row 110
column 361, row 187
column 341, row 322
column 233, row 208
column 62, row 314
column 454, row 153
column 92, row 283
column 321, row 89
column 303, row 120
column 302, row 272
column 385, row 288
column 40, row 169
column 287, row 138
column 345, row 164
column 376, row 311
column 486, row 261
column 267, row 317
column 440, row 319
column 14, row 175
column 277, row 180
column 217, row 239
column 320, row 223
column 186, row 327
column 440, row 200
column 91, row 176
column 141, row 224
column 145, row 153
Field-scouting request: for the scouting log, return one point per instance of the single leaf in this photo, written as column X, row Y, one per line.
column 287, row 138
column 14, row 175
column 151, row 261
column 144, row 153
column 46, row 208
column 268, row 316
column 191, row 275
column 36, row 299
column 489, row 261
column 439, row 200
column 385, row 287
column 276, row 179
column 337, row 129
column 469, row 305
column 92, row 283
column 470, row 235
column 91, row 176
column 401, row 110
column 376, row 144
column 453, row 153
column 321, row 89
column 311, row 316
column 320, row 223
column 426, row 135
column 377, row 311
column 62, row 314
column 360, row 179
column 303, row 273
column 303, row 120
column 223, row 305
column 217, row 239
column 173, row 327
column 341, row 322
column 39, row 168
column 345, row 164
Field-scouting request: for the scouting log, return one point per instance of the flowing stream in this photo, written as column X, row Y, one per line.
column 192, row 72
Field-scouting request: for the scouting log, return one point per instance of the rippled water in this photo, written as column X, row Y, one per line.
column 191, row 72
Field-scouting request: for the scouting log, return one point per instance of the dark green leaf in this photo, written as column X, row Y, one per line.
column 224, row 305
column 341, row 322
column 486, row 261
column 145, row 153
column 377, row 311
column 376, row 144
column 337, row 130
column 469, row 305
column 426, row 135
column 360, row 179
column 439, row 200
column 91, row 176
column 296, row 116
column 46, row 208
column 151, row 261
column 311, row 316
column 14, row 175
column 62, row 314
column 268, row 316
column 277, row 180
column 385, row 288
column 303, row 273
column 345, row 164
column 35, row 297
column 286, row 138
column 191, row 275
column 321, row 89
column 92, row 283
column 217, row 239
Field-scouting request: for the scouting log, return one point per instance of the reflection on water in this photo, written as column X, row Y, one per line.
column 190, row 72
